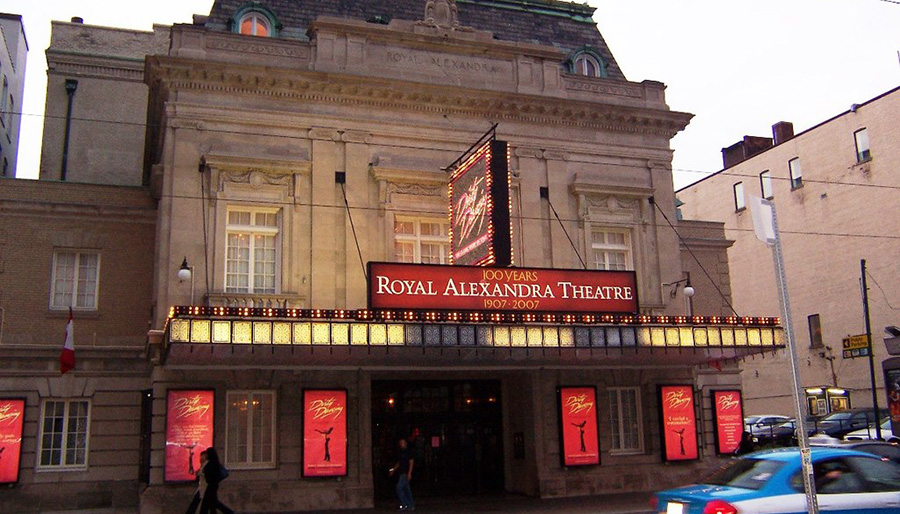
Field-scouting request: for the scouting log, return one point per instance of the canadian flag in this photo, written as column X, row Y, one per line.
column 67, row 357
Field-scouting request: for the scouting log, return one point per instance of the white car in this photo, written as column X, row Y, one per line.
column 869, row 433
column 762, row 424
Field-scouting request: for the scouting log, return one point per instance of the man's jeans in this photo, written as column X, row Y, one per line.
column 404, row 493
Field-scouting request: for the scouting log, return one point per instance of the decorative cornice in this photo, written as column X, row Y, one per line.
column 243, row 164
column 90, row 66
column 175, row 74
column 397, row 175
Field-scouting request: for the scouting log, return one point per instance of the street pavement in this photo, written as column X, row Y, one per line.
column 630, row 503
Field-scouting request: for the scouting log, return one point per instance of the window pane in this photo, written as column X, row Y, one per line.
column 431, row 253
column 765, row 184
column 739, row 202
column 404, row 227
column 862, row 145
column 64, row 279
column 403, row 251
column 615, row 421
column 796, row 173
column 261, row 28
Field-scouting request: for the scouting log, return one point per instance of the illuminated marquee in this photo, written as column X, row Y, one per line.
column 480, row 230
column 471, row 288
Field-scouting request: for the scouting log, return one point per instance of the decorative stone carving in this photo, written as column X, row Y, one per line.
column 441, row 14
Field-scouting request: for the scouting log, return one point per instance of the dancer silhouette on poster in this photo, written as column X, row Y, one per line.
column 581, row 433
column 326, row 433
column 680, row 439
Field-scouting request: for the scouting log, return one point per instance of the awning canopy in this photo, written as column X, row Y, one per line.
column 204, row 338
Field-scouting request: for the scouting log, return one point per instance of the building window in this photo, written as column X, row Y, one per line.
column 64, row 434
column 796, row 173
column 815, row 331
column 587, row 65
column 739, row 202
column 765, row 185
column 251, row 262
column 75, row 280
column 421, row 240
column 611, row 249
column 625, row 420
column 255, row 23
column 862, row 145
column 251, row 429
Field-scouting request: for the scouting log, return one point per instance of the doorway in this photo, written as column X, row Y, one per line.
column 454, row 429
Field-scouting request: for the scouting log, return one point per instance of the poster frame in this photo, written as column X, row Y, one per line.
column 559, row 420
column 303, row 432
column 662, row 421
column 24, row 401
column 166, row 480
column 712, row 397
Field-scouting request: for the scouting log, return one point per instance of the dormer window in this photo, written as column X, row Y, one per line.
column 255, row 24
column 587, row 62
column 254, row 19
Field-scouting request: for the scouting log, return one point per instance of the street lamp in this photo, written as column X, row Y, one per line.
column 187, row 273
column 688, row 291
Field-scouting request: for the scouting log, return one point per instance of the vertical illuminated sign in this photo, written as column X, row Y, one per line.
column 579, row 441
column 480, row 231
column 679, row 422
column 12, row 415
column 189, row 431
column 324, row 433
column 729, row 418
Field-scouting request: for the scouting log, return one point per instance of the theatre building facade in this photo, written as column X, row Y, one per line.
column 322, row 283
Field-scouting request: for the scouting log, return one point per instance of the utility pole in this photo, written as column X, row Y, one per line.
column 865, row 298
column 765, row 223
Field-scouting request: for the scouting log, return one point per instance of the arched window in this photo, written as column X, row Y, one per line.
column 255, row 23
column 587, row 62
column 586, row 65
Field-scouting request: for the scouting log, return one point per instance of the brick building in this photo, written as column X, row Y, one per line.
column 13, row 57
column 833, row 191
column 288, row 145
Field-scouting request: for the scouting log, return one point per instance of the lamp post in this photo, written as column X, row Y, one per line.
column 187, row 273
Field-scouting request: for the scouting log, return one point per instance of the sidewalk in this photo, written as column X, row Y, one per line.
column 630, row 503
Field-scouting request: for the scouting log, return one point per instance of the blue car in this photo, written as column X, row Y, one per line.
column 770, row 482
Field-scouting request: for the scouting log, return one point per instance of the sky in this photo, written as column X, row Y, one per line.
column 739, row 67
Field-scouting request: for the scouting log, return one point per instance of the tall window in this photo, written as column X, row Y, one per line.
column 739, row 202
column 796, row 173
column 251, row 429
column 252, row 255
column 255, row 24
column 625, row 420
column 815, row 331
column 862, row 145
column 421, row 240
column 611, row 249
column 765, row 185
column 75, row 280
column 64, row 434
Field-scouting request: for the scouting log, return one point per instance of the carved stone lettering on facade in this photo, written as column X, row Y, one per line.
column 257, row 48
column 442, row 63
column 604, row 88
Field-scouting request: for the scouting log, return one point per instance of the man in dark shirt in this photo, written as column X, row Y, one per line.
column 404, row 469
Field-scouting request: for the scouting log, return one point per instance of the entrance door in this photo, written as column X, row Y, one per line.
column 454, row 429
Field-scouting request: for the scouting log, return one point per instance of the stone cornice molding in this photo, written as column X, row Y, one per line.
column 446, row 40
column 221, row 78
column 586, row 185
column 432, row 178
column 243, row 164
column 83, row 65
column 109, row 213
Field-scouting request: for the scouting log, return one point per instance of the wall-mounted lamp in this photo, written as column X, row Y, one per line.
column 186, row 273
column 688, row 292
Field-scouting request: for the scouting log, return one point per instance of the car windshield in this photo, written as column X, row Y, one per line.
column 751, row 420
column 837, row 416
column 745, row 473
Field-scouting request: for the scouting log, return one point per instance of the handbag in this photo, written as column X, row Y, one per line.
column 223, row 473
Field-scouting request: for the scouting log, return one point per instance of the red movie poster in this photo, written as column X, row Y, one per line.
column 424, row 286
column 578, row 426
column 12, row 414
column 189, row 431
column 729, row 417
column 324, row 433
column 679, row 424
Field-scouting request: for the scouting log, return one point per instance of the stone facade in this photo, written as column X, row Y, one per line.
column 267, row 125
column 827, row 225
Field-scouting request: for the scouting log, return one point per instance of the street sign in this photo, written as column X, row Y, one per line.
column 855, row 346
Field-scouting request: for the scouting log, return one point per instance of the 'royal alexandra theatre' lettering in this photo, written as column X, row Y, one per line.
column 419, row 286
